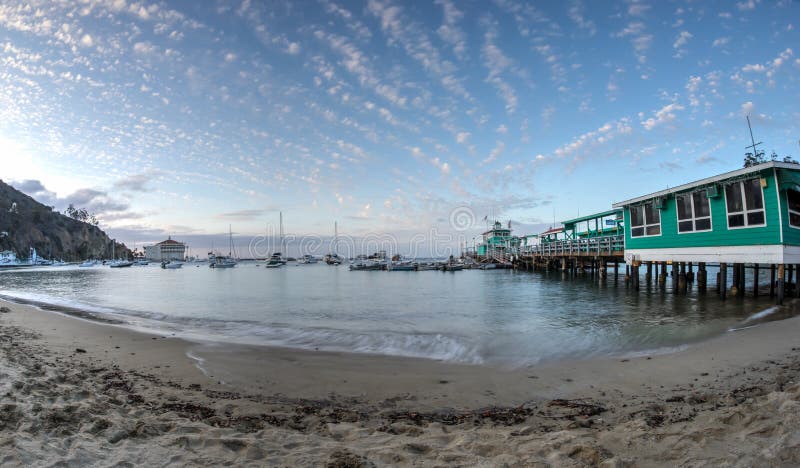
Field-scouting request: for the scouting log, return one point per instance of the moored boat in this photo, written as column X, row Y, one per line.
column 223, row 261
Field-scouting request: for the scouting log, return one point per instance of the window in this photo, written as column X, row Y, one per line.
column 645, row 220
column 745, row 203
column 793, row 197
column 694, row 212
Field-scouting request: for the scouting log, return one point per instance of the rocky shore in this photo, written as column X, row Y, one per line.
column 81, row 393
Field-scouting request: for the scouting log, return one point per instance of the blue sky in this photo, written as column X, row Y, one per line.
column 185, row 117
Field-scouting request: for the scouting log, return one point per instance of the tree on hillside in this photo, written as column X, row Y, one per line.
column 81, row 214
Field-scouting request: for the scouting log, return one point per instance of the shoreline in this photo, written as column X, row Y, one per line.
column 389, row 410
column 768, row 314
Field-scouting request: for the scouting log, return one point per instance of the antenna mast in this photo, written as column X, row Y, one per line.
column 752, row 140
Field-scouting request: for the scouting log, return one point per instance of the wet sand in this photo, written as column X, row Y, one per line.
column 88, row 393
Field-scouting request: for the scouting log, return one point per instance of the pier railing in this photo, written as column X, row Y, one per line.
column 607, row 245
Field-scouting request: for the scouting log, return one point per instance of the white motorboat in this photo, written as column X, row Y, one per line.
column 307, row 260
column 120, row 264
column 171, row 265
column 88, row 264
column 275, row 261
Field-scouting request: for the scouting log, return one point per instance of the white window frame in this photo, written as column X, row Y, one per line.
column 790, row 211
column 694, row 218
column 644, row 219
column 745, row 212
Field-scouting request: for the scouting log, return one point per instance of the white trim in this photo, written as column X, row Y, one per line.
column 709, row 180
column 744, row 211
column 764, row 254
column 693, row 219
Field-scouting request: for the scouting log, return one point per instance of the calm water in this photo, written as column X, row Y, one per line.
column 493, row 317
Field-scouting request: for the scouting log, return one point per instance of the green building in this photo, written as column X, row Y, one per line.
column 498, row 242
column 750, row 215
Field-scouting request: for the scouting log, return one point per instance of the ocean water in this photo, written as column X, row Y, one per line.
column 494, row 317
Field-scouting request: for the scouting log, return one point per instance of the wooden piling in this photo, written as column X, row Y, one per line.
column 675, row 277
column 723, row 281
column 648, row 276
column 755, row 280
column 788, row 284
column 702, row 277
column 662, row 278
column 690, row 272
column 740, row 291
column 797, row 284
column 772, row 280
column 781, row 271
column 682, row 281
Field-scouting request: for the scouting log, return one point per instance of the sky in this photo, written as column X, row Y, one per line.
column 419, row 120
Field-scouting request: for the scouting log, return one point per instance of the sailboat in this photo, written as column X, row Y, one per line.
column 333, row 258
column 117, row 262
column 222, row 261
column 276, row 260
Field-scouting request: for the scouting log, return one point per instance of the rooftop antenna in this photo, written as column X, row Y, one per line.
column 752, row 140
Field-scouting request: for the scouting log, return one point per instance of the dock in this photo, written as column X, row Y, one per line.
column 747, row 219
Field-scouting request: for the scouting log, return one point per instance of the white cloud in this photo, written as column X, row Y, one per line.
column 494, row 154
column 721, row 42
column 662, row 116
column 682, row 39
column 757, row 68
column 144, row 48
column 87, row 41
column 576, row 14
column 747, row 5
column 462, row 137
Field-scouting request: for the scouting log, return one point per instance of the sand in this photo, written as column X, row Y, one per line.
column 76, row 392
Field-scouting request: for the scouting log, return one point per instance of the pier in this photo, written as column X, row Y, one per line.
column 739, row 221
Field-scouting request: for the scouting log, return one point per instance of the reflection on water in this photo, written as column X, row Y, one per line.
column 495, row 316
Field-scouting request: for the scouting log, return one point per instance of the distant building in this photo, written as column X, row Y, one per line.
column 165, row 251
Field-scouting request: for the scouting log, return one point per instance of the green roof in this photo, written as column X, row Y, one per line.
column 710, row 180
column 603, row 214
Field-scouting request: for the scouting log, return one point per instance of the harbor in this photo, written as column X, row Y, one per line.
column 393, row 233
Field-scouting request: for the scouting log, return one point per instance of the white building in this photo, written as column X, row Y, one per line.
column 165, row 251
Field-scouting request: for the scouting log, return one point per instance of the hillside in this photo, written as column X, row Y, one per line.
column 52, row 234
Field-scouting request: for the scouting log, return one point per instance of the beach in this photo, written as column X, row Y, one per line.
column 77, row 391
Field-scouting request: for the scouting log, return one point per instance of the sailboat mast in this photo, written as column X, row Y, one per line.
column 280, row 228
column 230, row 241
column 335, row 236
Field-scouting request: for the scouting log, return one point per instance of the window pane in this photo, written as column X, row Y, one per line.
column 651, row 214
column 703, row 224
column 684, row 203
column 637, row 232
column 636, row 216
column 755, row 218
column 733, row 195
column 736, row 220
column 753, row 194
column 653, row 230
column 701, row 207
column 685, row 226
column 794, row 200
column 794, row 219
